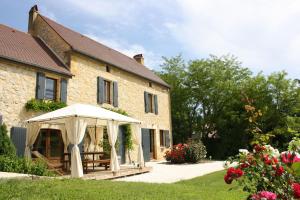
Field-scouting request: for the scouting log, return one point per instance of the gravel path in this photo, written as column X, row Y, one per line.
column 168, row 173
column 8, row 175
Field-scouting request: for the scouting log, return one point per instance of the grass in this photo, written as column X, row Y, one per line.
column 210, row 186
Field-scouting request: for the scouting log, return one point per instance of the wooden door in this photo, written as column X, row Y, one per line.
column 50, row 144
column 152, row 144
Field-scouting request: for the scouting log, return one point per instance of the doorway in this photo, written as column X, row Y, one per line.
column 49, row 143
column 152, row 144
column 148, row 144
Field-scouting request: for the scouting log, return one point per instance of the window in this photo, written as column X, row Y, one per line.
column 150, row 84
column 162, row 138
column 50, row 88
column 150, row 97
column 107, row 91
column 151, row 103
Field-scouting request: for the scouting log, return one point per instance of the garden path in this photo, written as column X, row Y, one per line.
column 163, row 172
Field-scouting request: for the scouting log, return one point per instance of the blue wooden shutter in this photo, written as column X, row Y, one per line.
column 167, row 138
column 63, row 90
column 115, row 94
column 100, row 90
column 40, row 86
column 146, row 99
column 155, row 105
column 18, row 138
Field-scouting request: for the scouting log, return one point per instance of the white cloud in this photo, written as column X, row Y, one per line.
column 152, row 60
column 263, row 34
column 43, row 9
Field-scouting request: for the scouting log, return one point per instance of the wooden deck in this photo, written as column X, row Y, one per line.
column 102, row 174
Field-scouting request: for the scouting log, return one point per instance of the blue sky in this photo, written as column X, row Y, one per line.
column 263, row 34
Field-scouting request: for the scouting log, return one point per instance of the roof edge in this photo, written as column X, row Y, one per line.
column 93, row 57
column 36, row 66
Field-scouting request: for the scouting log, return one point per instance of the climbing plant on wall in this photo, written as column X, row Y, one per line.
column 127, row 129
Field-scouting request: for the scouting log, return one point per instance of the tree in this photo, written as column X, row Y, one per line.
column 6, row 146
column 174, row 73
column 208, row 101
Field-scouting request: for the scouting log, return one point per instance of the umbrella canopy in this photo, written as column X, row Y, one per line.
column 83, row 111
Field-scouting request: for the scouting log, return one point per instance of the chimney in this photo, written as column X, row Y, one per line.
column 32, row 16
column 139, row 58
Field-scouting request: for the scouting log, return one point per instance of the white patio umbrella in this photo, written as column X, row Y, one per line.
column 75, row 118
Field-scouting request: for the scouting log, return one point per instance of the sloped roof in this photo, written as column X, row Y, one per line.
column 22, row 47
column 89, row 47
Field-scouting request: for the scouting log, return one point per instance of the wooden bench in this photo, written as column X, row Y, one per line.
column 52, row 166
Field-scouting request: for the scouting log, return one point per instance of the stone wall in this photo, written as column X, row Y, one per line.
column 82, row 88
column 17, row 86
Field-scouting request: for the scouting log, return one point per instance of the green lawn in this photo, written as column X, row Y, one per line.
column 210, row 186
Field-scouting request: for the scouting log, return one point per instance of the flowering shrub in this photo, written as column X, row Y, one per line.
column 182, row 153
column 265, row 173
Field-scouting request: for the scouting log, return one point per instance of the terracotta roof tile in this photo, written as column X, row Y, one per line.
column 22, row 47
column 89, row 47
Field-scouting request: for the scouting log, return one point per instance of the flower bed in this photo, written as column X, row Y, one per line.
column 266, row 173
column 186, row 153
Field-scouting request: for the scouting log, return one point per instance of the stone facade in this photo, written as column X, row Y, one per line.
column 82, row 88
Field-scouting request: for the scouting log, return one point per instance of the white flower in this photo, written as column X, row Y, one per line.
column 228, row 164
column 272, row 151
column 243, row 151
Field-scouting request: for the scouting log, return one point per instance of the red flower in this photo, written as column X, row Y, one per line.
column 228, row 179
column 239, row 172
column 232, row 174
column 279, row 171
column 296, row 188
column 244, row 165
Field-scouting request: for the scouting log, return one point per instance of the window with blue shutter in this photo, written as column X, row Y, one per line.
column 146, row 100
column 100, row 90
column 155, row 104
column 115, row 94
column 167, row 139
column 63, row 90
column 151, row 103
column 40, row 85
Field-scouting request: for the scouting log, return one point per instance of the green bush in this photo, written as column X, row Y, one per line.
column 196, row 152
column 43, row 105
column 6, row 146
column 21, row 165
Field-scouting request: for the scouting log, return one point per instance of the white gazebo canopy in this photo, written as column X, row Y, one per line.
column 73, row 121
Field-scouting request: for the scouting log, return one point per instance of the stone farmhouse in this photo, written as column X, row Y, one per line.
column 54, row 63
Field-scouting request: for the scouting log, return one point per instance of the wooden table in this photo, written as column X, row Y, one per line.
column 87, row 160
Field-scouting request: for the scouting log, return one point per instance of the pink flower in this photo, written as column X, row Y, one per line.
column 266, row 195
column 289, row 158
